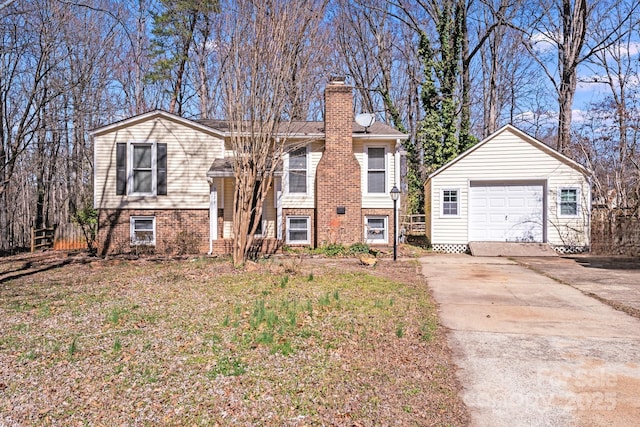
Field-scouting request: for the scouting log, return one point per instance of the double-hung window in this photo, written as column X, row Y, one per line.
column 568, row 202
column 376, row 170
column 297, row 171
column 143, row 230
column 141, row 168
column 450, row 202
column 375, row 229
column 298, row 230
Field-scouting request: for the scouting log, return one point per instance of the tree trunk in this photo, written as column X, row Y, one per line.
column 566, row 93
column 465, row 107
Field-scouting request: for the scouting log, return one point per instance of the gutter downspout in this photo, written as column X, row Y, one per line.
column 211, row 187
column 396, row 178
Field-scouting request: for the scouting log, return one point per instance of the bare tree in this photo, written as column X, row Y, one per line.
column 610, row 140
column 261, row 48
column 575, row 30
column 56, row 67
column 29, row 61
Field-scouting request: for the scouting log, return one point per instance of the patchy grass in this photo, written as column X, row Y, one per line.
column 199, row 343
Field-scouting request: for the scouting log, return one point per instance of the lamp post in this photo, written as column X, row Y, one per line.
column 395, row 194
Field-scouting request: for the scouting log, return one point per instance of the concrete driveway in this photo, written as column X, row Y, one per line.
column 532, row 351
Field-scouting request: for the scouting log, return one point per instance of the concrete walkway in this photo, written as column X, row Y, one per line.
column 532, row 351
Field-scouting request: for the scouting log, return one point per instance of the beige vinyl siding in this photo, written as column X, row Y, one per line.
column 567, row 230
column 427, row 210
column 382, row 200
column 269, row 212
column 306, row 201
column 506, row 157
column 190, row 153
column 449, row 230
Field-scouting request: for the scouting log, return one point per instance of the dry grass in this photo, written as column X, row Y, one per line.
column 194, row 342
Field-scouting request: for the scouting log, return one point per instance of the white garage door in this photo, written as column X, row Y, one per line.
column 506, row 213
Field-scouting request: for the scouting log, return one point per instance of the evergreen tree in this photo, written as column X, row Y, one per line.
column 174, row 29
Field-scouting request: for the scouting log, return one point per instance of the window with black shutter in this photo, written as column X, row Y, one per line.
column 162, row 169
column 121, row 168
column 141, row 169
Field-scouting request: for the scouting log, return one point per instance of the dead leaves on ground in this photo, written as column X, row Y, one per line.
column 198, row 342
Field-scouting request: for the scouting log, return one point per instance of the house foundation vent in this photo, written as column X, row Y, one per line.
column 451, row 248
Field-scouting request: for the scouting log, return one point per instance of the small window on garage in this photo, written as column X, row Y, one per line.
column 450, row 202
column 143, row 230
column 298, row 230
column 568, row 202
column 375, row 229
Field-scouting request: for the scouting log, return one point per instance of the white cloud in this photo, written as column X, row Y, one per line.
column 543, row 42
column 548, row 118
column 632, row 49
column 578, row 116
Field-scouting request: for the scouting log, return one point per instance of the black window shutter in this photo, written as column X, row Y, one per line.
column 121, row 168
column 162, row 169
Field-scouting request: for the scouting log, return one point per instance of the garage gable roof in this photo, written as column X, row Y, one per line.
column 525, row 137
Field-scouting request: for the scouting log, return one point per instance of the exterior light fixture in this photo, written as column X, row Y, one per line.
column 395, row 195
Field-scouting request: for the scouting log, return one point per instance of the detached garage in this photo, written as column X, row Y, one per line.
column 508, row 188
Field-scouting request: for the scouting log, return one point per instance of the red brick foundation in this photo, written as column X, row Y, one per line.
column 311, row 213
column 260, row 246
column 177, row 231
column 380, row 212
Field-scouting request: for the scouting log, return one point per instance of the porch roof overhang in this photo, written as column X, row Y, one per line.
column 223, row 168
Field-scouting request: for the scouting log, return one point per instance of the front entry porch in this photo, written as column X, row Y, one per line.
column 269, row 237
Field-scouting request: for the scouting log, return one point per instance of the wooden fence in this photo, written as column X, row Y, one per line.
column 615, row 233
column 413, row 225
column 62, row 237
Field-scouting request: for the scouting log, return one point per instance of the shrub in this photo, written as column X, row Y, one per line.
column 333, row 249
column 359, row 248
column 87, row 219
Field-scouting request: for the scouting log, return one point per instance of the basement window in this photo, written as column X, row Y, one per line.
column 143, row 230
column 298, row 230
column 375, row 229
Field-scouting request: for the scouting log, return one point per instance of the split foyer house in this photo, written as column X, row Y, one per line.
column 165, row 181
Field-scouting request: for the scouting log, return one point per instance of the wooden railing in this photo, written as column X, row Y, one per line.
column 42, row 238
column 413, row 224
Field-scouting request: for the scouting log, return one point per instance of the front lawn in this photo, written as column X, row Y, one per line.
column 195, row 342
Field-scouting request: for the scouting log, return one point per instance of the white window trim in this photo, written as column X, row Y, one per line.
column 442, row 214
column 385, row 239
column 299, row 242
column 154, row 168
column 366, row 169
column 559, row 201
column 132, row 221
column 285, row 175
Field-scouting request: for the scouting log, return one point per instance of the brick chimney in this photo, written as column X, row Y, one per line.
column 338, row 177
